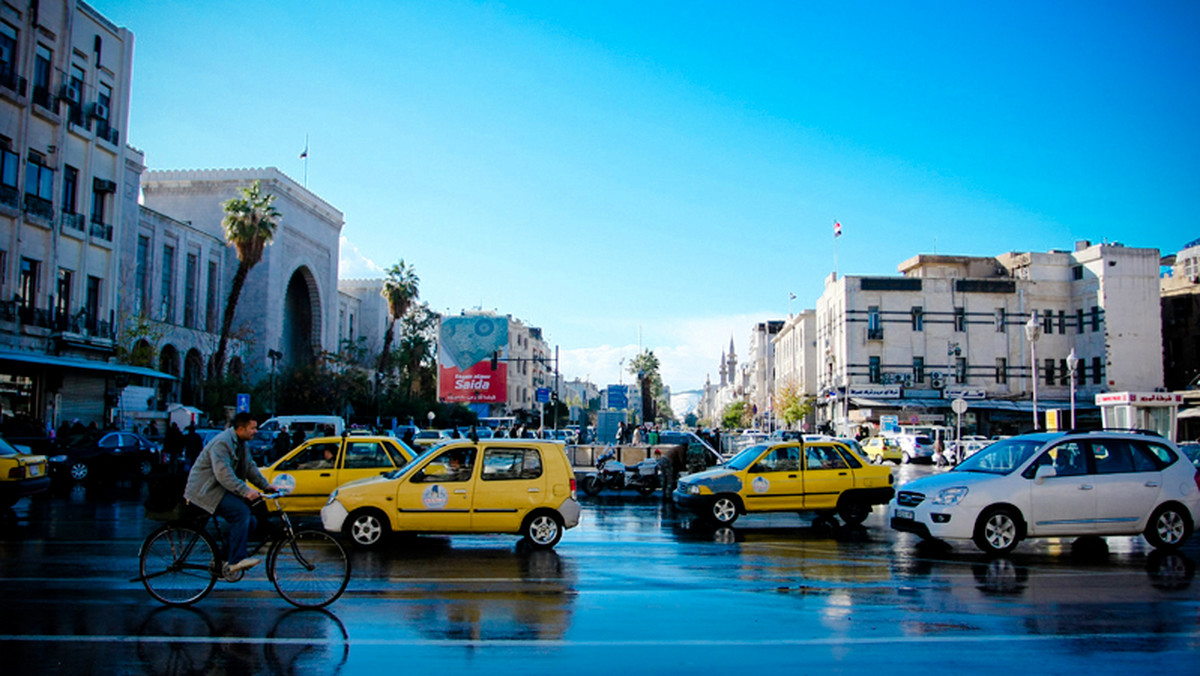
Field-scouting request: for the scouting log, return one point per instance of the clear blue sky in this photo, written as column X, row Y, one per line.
column 664, row 174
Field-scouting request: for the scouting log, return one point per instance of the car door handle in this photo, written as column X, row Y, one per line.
column 460, row 491
column 1085, row 487
column 791, row 476
column 326, row 474
column 1151, row 484
column 533, row 490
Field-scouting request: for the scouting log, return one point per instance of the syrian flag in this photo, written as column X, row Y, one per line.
column 837, row 229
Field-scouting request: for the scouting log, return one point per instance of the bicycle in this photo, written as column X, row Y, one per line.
column 180, row 562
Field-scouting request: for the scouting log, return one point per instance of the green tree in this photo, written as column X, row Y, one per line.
column 400, row 289
column 646, row 366
column 794, row 405
column 250, row 223
column 737, row 415
column 417, row 353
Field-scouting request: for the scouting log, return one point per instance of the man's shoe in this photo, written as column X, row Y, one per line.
column 249, row 562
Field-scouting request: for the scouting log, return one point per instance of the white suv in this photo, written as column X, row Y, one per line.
column 1057, row 485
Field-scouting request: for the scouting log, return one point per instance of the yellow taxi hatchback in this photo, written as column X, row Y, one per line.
column 518, row 486
column 21, row 474
column 878, row 449
column 320, row 465
column 824, row 477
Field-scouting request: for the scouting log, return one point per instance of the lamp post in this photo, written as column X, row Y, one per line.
column 1033, row 331
column 1072, row 364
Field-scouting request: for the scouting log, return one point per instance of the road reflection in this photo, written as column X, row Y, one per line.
column 475, row 594
column 186, row 641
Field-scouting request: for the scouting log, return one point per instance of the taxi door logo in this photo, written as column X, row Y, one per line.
column 760, row 485
column 435, row 497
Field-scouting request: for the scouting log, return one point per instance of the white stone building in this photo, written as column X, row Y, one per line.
column 761, row 375
column 363, row 312
column 796, row 363
column 954, row 327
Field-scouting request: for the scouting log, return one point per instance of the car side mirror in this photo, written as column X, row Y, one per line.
column 1043, row 472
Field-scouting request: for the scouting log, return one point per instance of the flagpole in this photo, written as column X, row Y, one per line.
column 835, row 251
column 304, row 155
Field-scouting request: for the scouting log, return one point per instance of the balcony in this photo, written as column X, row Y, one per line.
column 101, row 231
column 875, row 334
column 16, row 310
column 42, row 97
column 39, row 207
column 72, row 222
column 10, row 81
column 9, row 196
column 81, row 324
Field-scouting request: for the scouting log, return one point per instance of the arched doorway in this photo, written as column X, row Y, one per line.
column 193, row 369
column 300, row 340
column 168, row 362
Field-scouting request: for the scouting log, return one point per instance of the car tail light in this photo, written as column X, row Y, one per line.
column 17, row 472
column 573, row 486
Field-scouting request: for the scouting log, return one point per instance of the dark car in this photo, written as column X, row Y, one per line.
column 117, row 454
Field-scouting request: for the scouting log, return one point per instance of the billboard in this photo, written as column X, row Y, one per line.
column 466, row 347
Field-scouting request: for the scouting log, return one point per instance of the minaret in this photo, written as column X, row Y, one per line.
column 723, row 371
column 732, row 361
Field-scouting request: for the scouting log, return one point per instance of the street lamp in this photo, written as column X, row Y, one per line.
column 1033, row 331
column 1072, row 364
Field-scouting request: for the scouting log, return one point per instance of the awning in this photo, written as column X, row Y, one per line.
column 977, row 404
column 1188, row 413
column 83, row 364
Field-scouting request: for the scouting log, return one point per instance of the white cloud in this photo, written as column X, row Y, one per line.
column 353, row 264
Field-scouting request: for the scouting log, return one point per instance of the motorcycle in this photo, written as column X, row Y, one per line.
column 615, row 475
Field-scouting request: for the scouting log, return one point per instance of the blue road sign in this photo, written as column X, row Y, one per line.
column 243, row 403
column 543, row 395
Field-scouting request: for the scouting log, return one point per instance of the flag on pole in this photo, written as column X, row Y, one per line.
column 304, row 154
column 837, row 228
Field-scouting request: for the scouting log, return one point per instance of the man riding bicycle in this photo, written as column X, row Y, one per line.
column 218, row 484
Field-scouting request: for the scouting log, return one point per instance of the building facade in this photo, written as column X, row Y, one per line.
column 954, row 327
column 795, row 358
column 1180, row 298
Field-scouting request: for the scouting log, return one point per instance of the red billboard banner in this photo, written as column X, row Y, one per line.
column 473, row 359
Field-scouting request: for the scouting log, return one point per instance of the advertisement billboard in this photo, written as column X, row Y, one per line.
column 466, row 348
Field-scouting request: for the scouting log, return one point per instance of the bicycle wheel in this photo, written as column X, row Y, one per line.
column 178, row 564
column 310, row 570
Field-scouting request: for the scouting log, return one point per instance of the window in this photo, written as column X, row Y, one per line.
column 1067, row 459
column 960, row 319
column 27, row 283
column 167, row 312
column 1097, row 371
column 873, row 370
column 1063, row 372
column 918, row 319
column 8, row 56
column 1001, row 320
column 1081, row 373
column 190, row 282
column 1112, row 456
column 1001, row 370
column 39, row 179
column 142, row 276
column 874, row 324
column 211, row 300
column 1095, row 318
column 317, row 456
column 366, row 455
column 1048, row 322
column 451, row 465
column 9, row 164
column 75, row 85
column 104, row 98
column 918, row 369
column 960, row 370
column 1062, row 321
column 70, row 188
column 1049, row 371
column 507, row 464
column 1079, row 320
column 1077, row 272
column 63, row 302
column 822, row 457
column 99, row 198
column 42, row 58
column 93, row 302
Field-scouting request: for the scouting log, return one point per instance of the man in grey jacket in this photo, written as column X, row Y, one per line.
column 218, row 485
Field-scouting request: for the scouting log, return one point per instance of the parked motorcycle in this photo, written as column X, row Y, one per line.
column 615, row 475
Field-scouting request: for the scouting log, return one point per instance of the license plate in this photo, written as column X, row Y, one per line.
column 35, row 470
column 904, row 514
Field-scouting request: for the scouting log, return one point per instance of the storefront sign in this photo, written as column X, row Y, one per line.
column 1139, row 398
column 964, row 392
column 874, row 391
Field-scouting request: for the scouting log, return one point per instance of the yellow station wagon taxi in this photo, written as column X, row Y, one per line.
column 519, row 486
column 320, row 465
column 21, row 474
column 814, row 476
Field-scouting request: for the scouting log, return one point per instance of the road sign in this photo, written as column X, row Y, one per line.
column 243, row 403
column 959, row 406
column 543, row 395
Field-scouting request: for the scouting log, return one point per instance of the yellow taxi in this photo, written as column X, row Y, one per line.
column 320, row 465
column 518, row 486
column 878, row 449
column 21, row 474
column 825, row 477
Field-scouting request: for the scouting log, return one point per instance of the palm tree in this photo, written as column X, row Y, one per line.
column 400, row 289
column 250, row 222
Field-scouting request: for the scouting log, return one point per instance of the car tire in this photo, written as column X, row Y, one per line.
column 367, row 527
column 543, row 530
column 1168, row 527
column 906, row 458
column 998, row 530
column 79, row 470
column 145, row 468
column 876, row 459
column 591, row 484
column 853, row 512
column 724, row 510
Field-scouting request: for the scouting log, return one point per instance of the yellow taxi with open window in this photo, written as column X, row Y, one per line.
column 823, row 476
column 320, row 465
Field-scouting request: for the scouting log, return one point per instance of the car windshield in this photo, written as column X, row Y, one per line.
column 745, row 458
column 1001, row 457
column 6, row 448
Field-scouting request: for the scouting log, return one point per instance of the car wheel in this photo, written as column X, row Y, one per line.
column 367, row 528
column 145, row 467
column 876, row 459
column 543, row 530
column 592, row 484
column 906, row 458
column 854, row 512
column 1168, row 527
column 79, row 470
column 998, row 530
column 724, row 510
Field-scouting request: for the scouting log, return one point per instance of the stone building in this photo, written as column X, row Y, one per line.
column 795, row 358
column 1180, row 293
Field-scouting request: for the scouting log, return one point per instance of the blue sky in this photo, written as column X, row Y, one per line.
column 665, row 174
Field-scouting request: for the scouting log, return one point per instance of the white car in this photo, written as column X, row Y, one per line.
column 914, row 447
column 1056, row 485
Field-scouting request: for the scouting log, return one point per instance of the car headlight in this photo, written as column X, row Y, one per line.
column 692, row 489
column 950, row 496
column 332, row 497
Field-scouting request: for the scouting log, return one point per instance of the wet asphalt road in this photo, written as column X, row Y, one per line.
column 636, row 588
